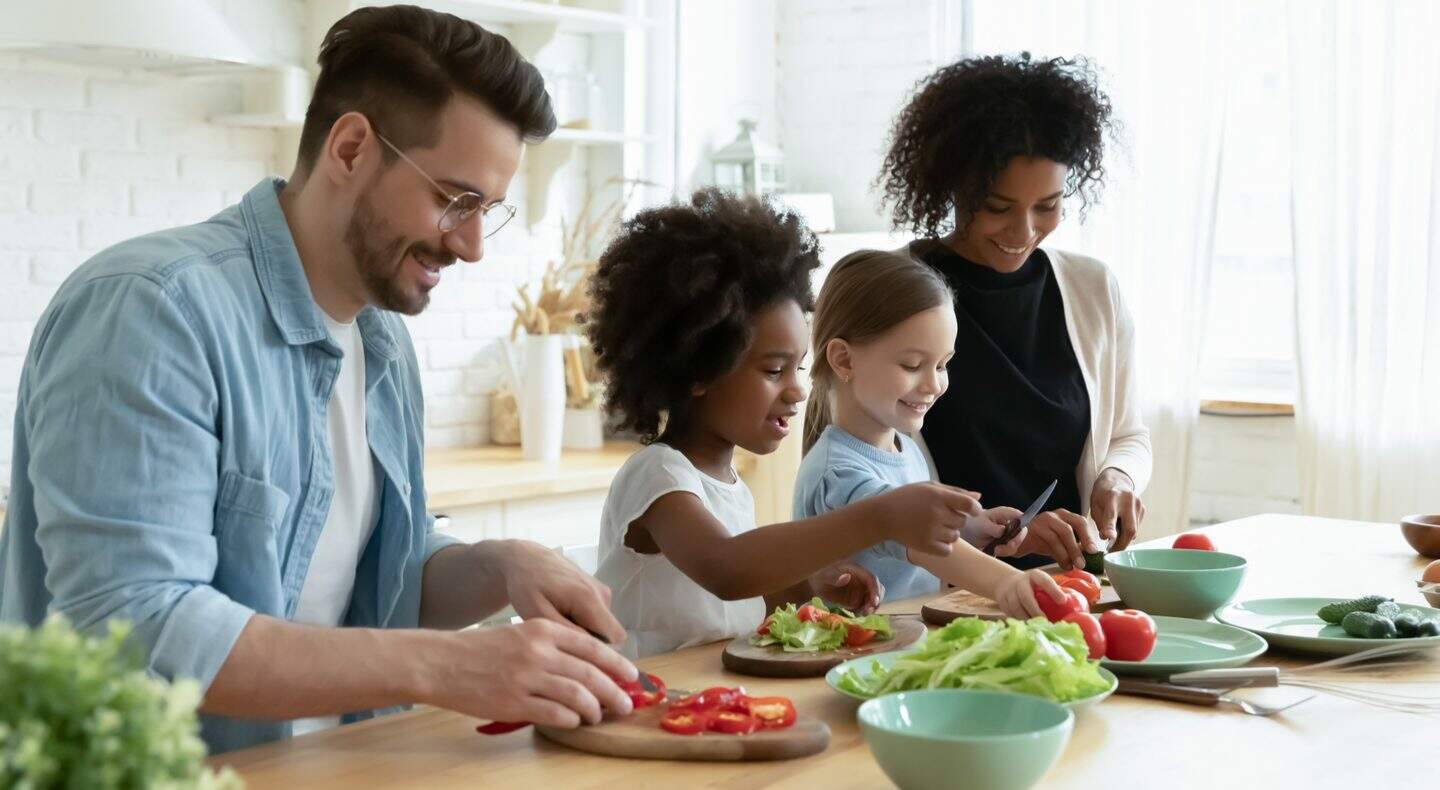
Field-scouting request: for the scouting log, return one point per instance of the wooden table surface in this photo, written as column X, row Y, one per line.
column 1124, row 742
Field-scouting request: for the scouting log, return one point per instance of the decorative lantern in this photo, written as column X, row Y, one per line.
column 750, row 164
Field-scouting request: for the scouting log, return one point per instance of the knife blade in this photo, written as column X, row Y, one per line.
column 1025, row 519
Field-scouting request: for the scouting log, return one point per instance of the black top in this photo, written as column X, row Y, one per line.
column 1017, row 413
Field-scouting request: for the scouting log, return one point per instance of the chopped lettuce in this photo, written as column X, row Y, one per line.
column 794, row 635
column 1035, row 657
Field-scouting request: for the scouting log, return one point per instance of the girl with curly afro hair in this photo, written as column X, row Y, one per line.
column 981, row 162
column 699, row 327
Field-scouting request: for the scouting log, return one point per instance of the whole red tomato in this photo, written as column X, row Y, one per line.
column 1054, row 610
column 1129, row 634
column 1194, row 540
column 1090, row 627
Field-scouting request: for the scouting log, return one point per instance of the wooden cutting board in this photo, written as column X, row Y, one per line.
column 963, row 603
column 772, row 662
column 639, row 736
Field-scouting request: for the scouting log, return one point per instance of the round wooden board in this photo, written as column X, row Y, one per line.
column 963, row 603
column 639, row 736
column 772, row 662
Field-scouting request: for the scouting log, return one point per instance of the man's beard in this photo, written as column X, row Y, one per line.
column 380, row 264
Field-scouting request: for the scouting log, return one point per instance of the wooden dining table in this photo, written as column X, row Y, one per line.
column 1124, row 742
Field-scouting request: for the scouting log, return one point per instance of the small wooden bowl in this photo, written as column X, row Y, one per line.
column 1423, row 534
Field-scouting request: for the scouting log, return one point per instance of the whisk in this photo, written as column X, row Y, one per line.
column 1315, row 677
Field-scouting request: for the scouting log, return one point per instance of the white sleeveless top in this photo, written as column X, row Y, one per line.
column 661, row 608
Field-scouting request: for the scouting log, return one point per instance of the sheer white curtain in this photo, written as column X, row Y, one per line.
column 1164, row 67
column 1365, row 136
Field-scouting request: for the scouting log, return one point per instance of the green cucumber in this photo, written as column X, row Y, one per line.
column 1095, row 563
column 1335, row 612
column 1368, row 625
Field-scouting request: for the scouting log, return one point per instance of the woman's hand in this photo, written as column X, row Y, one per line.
column 1116, row 509
column 1061, row 535
column 980, row 530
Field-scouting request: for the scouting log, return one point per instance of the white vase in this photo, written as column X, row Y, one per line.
column 542, row 398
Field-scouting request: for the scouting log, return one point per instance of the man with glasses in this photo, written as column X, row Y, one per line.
column 219, row 427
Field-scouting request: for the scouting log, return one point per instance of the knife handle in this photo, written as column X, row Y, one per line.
column 1168, row 691
column 1233, row 677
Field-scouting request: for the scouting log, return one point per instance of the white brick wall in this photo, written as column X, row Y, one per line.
column 92, row 156
column 845, row 70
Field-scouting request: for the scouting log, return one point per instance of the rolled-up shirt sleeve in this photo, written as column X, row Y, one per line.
column 123, row 422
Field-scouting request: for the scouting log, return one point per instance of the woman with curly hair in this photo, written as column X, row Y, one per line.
column 699, row 328
column 980, row 163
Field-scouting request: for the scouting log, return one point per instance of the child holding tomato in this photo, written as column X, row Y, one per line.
column 699, row 328
column 880, row 363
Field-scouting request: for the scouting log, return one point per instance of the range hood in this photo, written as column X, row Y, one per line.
column 171, row 36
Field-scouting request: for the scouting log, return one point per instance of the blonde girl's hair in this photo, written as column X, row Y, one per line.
column 865, row 295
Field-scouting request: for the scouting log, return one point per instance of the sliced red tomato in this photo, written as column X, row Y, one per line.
column 1129, row 634
column 1194, row 540
column 1080, row 573
column 808, row 613
column 855, row 636
column 1090, row 627
column 1090, row 590
column 686, row 721
column 773, row 713
column 641, row 698
column 713, row 698
column 1054, row 610
column 830, row 619
column 733, row 722
column 501, row 727
column 764, row 627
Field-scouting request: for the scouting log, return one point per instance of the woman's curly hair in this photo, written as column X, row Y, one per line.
column 967, row 121
column 675, row 293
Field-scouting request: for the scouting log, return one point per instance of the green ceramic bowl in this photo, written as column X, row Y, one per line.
column 948, row 738
column 1175, row 582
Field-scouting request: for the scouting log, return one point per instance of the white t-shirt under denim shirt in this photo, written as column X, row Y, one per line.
column 841, row 469
column 661, row 608
column 350, row 521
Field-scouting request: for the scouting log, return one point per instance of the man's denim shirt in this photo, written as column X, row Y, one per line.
column 171, row 465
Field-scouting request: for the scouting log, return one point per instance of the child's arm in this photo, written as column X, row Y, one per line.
column 972, row 569
column 925, row 517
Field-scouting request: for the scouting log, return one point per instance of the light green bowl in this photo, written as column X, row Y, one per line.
column 1175, row 582
column 948, row 738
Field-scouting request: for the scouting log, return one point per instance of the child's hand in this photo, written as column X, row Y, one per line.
column 848, row 585
column 926, row 517
column 991, row 524
column 1016, row 596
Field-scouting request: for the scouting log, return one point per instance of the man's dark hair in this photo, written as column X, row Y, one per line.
column 399, row 66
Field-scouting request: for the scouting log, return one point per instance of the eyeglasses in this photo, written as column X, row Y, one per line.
column 462, row 206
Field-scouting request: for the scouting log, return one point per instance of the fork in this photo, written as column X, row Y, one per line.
column 1200, row 696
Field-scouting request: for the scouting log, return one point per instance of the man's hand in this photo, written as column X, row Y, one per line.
column 541, row 583
column 538, row 671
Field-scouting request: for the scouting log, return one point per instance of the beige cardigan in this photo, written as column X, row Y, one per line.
column 1103, row 337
